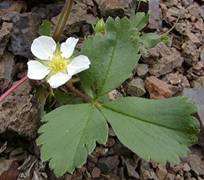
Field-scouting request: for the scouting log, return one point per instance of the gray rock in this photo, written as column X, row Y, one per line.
column 25, row 30
column 197, row 96
column 136, row 87
column 142, row 69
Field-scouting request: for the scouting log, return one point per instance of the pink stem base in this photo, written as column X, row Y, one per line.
column 13, row 88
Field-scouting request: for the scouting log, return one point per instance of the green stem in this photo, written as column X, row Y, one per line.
column 62, row 20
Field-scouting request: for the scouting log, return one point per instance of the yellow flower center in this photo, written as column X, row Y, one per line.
column 58, row 63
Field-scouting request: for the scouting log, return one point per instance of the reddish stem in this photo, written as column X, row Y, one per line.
column 13, row 88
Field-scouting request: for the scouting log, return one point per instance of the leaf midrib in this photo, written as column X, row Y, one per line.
column 81, row 134
column 109, row 67
column 142, row 120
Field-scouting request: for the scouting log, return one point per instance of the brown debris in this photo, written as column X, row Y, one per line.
column 196, row 163
column 193, row 37
column 25, row 30
column 177, row 79
column 5, row 33
column 163, row 60
column 6, row 71
column 113, row 7
column 96, row 173
column 107, row 164
column 190, row 52
column 161, row 172
column 157, row 89
column 12, row 173
column 20, row 113
column 15, row 6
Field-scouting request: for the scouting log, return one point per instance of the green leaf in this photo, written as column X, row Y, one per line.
column 155, row 130
column 70, row 134
column 139, row 21
column 113, row 56
column 45, row 28
column 149, row 40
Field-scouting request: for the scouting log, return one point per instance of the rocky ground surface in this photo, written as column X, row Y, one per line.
column 165, row 71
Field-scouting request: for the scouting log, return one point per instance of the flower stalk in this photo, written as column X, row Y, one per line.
column 61, row 23
column 13, row 88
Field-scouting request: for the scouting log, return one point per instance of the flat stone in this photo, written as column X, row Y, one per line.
column 197, row 96
column 142, row 69
column 136, row 87
column 157, row 88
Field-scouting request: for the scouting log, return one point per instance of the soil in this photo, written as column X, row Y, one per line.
column 165, row 71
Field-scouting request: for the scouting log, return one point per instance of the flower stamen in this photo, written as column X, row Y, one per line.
column 58, row 63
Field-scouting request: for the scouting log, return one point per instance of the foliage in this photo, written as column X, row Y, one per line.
column 45, row 28
column 157, row 130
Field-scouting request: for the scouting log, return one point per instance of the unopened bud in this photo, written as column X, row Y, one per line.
column 100, row 26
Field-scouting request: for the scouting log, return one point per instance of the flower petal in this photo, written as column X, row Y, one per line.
column 67, row 48
column 43, row 47
column 78, row 64
column 58, row 79
column 36, row 70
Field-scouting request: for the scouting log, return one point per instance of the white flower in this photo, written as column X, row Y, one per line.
column 55, row 62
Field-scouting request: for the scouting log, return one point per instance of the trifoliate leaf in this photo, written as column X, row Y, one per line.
column 113, row 56
column 70, row 134
column 45, row 28
column 155, row 130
